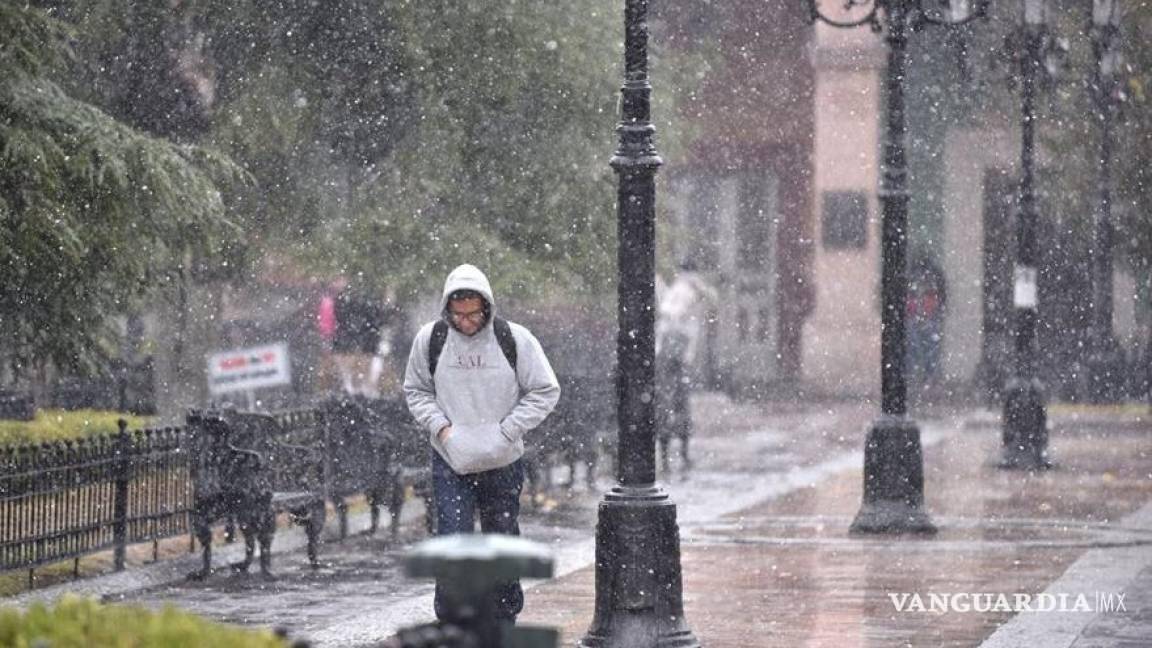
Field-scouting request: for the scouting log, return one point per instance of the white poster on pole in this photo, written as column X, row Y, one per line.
column 248, row 369
column 1024, row 288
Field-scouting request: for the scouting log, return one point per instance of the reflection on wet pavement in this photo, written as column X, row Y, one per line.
column 766, row 555
column 787, row 573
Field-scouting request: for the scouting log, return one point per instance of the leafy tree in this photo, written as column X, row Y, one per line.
column 1134, row 164
column 1067, row 124
column 391, row 140
column 1070, row 129
column 387, row 141
column 515, row 107
column 92, row 211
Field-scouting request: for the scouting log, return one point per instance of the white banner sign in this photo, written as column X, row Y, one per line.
column 1024, row 293
column 247, row 369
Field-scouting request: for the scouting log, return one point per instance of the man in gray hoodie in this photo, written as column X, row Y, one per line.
column 477, row 384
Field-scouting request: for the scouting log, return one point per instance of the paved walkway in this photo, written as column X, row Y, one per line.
column 785, row 572
column 766, row 555
column 746, row 455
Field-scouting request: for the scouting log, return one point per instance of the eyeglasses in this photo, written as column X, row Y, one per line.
column 476, row 316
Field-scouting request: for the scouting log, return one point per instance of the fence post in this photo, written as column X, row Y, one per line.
column 121, row 467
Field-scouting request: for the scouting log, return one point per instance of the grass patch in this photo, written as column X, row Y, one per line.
column 1128, row 409
column 80, row 623
column 54, row 425
column 90, row 565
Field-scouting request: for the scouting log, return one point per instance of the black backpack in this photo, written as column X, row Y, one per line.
column 503, row 337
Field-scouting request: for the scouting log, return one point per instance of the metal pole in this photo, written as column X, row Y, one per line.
column 1025, row 419
column 635, row 163
column 893, row 461
column 639, row 601
column 894, row 225
column 121, row 467
column 1104, row 366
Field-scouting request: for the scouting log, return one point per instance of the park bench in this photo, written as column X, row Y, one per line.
column 376, row 449
column 249, row 467
column 576, row 433
column 410, row 462
column 405, row 462
column 366, row 453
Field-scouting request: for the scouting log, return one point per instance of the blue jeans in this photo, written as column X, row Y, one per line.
column 496, row 495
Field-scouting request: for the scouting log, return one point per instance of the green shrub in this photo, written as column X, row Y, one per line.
column 81, row 623
column 51, row 425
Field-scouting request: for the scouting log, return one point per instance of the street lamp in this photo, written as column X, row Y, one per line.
column 893, row 462
column 1025, row 419
column 1104, row 365
column 639, row 600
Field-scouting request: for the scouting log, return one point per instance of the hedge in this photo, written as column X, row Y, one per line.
column 82, row 623
column 52, row 425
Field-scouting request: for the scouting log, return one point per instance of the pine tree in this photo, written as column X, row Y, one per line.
column 92, row 211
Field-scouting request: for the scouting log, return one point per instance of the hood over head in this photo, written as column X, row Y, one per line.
column 468, row 277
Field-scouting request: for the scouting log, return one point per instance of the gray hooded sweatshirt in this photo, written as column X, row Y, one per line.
column 488, row 404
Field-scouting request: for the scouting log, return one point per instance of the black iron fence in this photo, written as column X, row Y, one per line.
column 66, row 499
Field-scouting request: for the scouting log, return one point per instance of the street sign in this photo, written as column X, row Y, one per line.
column 248, row 369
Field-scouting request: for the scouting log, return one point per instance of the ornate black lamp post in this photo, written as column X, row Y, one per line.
column 1025, row 417
column 893, row 464
column 639, row 600
column 1104, row 368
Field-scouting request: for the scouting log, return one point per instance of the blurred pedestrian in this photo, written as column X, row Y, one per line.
column 681, row 317
column 926, row 301
column 477, row 383
column 682, row 312
column 356, row 341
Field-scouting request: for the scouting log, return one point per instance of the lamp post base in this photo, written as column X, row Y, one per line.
column 893, row 481
column 639, row 592
column 892, row 518
column 1025, row 426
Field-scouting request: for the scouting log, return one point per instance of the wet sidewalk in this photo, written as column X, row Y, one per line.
column 786, row 572
column 745, row 454
column 766, row 555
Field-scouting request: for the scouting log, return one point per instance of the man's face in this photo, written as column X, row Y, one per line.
column 467, row 314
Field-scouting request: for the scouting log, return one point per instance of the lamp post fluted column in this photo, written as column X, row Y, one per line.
column 1025, row 417
column 893, row 463
column 893, row 500
column 1105, row 368
column 639, row 600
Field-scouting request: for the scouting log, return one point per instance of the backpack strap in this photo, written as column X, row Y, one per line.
column 500, row 326
column 506, row 339
column 436, row 344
